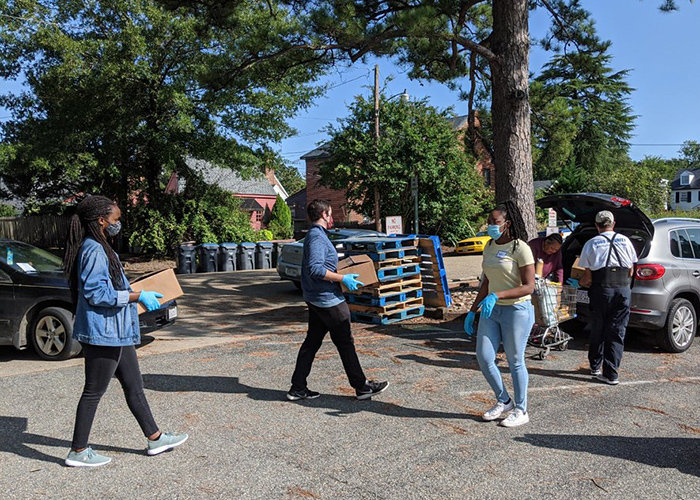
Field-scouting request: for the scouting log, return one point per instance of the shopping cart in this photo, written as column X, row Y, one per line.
column 554, row 303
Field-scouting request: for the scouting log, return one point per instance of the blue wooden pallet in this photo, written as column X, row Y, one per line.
column 396, row 253
column 395, row 273
column 369, row 300
column 388, row 318
column 379, row 244
column 433, row 270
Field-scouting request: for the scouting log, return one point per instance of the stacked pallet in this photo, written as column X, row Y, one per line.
column 399, row 293
column 436, row 288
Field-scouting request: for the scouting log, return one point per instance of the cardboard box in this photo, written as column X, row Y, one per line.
column 163, row 282
column 577, row 271
column 358, row 264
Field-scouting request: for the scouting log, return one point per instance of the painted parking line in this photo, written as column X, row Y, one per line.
column 595, row 385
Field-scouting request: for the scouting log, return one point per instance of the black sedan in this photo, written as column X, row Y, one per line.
column 36, row 305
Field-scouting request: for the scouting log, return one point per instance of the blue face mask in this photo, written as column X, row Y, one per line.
column 113, row 229
column 494, row 230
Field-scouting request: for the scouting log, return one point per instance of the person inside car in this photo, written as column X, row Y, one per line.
column 548, row 250
column 107, row 327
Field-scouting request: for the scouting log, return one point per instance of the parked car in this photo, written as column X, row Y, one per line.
column 289, row 260
column 475, row 244
column 36, row 307
column 666, row 281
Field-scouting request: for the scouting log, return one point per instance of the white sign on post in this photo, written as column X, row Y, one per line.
column 552, row 218
column 394, row 224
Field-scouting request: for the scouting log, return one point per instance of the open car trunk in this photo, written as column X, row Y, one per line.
column 582, row 208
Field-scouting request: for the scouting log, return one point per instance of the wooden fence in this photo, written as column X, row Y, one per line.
column 45, row 231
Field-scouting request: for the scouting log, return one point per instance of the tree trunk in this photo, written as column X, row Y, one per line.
column 510, row 107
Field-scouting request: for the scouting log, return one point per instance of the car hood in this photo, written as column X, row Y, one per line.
column 583, row 207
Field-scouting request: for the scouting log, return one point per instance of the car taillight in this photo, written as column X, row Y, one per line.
column 648, row 272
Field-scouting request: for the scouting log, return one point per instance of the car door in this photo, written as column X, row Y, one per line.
column 682, row 250
column 7, row 308
column 693, row 265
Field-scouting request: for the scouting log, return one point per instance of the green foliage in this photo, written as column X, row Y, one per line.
column 690, row 154
column 290, row 178
column 7, row 210
column 280, row 224
column 581, row 115
column 264, row 235
column 416, row 139
column 205, row 214
column 119, row 92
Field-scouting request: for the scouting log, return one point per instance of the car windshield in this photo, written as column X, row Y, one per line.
column 29, row 259
column 482, row 233
column 344, row 235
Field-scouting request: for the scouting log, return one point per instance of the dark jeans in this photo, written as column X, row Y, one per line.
column 322, row 320
column 610, row 313
column 101, row 364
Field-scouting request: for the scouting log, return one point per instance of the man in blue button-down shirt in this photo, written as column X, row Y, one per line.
column 328, row 311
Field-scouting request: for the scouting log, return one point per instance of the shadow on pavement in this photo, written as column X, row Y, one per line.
column 338, row 405
column 679, row 453
column 14, row 438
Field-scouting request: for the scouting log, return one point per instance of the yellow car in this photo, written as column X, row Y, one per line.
column 474, row 244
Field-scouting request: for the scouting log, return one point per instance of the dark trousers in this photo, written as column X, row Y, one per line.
column 610, row 313
column 322, row 320
column 101, row 364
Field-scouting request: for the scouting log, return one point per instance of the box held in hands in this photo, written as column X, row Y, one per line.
column 358, row 264
column 163, row 282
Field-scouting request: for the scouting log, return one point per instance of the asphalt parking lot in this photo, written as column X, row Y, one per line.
column 221, row 373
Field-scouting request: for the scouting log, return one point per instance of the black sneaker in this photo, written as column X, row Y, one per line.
column 370, row 389
column 296, row 395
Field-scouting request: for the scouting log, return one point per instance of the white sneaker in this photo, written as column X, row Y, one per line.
column 517, row 417
column 498, row 410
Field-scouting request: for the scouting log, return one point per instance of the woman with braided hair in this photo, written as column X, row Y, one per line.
column 107, row 327
column 507, row 314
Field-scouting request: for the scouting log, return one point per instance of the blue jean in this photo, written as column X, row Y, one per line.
column 510, row 325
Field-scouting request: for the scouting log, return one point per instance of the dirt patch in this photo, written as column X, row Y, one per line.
column 136, row 266
column 299, row 492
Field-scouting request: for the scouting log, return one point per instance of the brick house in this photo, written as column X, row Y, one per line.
column 314, row 190
column 258, row 194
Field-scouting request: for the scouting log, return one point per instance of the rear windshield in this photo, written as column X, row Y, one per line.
column 29, row 259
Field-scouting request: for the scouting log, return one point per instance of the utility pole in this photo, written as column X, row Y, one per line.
column 377, row 215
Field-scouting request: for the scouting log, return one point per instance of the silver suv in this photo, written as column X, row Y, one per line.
column 666, row 283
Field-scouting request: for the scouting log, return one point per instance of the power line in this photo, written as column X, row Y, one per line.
column 658, row 144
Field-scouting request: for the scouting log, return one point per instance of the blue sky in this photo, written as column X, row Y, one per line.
column 661, row 50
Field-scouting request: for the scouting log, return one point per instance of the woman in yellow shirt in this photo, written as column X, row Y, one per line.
column 506, row 311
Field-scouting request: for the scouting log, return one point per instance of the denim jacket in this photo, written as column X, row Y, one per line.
column 103, row 315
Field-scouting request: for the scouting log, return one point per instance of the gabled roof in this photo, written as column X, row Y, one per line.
column 319, row 152
column 694, row 184
column 230, row 180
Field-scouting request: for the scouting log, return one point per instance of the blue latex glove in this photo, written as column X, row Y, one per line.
column 351, row 283
column 150, row 300
column 469, row 323
column 573, row 283
column 487, row 305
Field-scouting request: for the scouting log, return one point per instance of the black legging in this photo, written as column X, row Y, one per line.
column 101, row 364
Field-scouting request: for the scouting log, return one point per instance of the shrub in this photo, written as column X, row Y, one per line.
column 7, row 210
column 281, row 220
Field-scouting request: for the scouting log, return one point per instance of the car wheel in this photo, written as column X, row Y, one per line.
column 681, row 324
column 51, row 334
column 297, row 284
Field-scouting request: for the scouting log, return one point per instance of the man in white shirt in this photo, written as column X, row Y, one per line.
column 608, row 260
